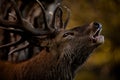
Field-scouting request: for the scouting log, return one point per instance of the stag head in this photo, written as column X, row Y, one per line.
column 72, row 46
column 75, row 45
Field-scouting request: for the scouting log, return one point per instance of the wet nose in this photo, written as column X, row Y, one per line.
column 97, row 25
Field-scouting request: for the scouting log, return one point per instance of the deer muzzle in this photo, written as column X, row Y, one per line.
column 96, row 36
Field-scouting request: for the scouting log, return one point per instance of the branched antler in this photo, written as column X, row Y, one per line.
column 22, row 25
column 27, row 31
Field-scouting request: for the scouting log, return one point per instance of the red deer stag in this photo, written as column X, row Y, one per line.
column 64, row 51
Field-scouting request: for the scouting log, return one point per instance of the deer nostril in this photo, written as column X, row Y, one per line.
column 97, row 25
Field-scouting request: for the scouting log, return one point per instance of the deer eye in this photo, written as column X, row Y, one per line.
column 68, row 33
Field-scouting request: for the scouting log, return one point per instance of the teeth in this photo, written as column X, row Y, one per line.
column 97, row 32
column 97, row 38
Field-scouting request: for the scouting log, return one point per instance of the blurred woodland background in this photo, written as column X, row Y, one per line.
column 104, row 63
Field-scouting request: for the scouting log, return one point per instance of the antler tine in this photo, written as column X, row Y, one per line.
column 54, row 16
column 61, row 24
column 60, row 17
column 68, row 16
column 12, row 43
column 6, row 23
column 19, row 49
column 18, row 14
column 44, row 14
column 18, row 31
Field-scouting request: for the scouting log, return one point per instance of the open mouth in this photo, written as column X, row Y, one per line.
column 96, row 37
column 97, row 32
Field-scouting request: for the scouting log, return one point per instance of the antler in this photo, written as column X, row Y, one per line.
column 59, row 13
column 54, row 16
column 44, row 15
column 22, row 26
column 26, row 29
